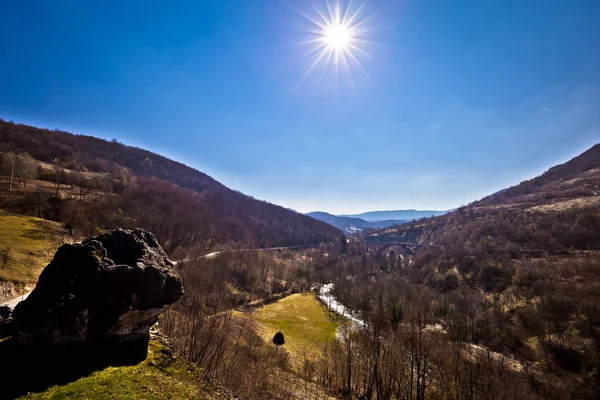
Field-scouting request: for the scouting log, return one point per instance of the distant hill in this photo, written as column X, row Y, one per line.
column 577, row 178
column 346, row 224
column 111, row 184
column 530, row 256
column 352, row 225
column 556, row 211
column 395, row 215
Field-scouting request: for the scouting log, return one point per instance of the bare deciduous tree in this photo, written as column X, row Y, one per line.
column 5, row 256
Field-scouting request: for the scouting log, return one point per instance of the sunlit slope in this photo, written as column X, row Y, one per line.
column 305, row 323
column 160, row 376
column 30, row 242
column 556, row 211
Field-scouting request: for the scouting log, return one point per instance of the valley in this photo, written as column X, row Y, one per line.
column 300, row 200
column 504, row 289
column 354, row 224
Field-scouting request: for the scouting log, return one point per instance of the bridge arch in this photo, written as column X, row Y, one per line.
column 409, row 248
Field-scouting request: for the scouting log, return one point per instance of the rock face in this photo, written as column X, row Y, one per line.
column 107, row 289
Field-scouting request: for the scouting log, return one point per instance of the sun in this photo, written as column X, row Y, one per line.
column 337, row 37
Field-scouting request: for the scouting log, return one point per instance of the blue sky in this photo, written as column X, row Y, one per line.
column 459, row 98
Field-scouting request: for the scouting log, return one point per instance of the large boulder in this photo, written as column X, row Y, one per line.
column 107, row 289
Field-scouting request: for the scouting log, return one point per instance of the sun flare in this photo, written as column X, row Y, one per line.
column 337, row 38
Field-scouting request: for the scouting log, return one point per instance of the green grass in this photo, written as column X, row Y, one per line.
column 160, row 376
column 304, row 322
column 32, row 243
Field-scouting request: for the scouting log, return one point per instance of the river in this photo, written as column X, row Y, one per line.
column 332, row 304
column 471, row 350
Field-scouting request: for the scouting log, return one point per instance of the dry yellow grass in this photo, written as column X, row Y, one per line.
column 160, row 376
column 563, row 205
column 31, row 243
column 304, row 322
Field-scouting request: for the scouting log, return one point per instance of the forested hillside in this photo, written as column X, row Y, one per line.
column 92, row 184
column 578, row 178
column 556, row 211
column 516, row 287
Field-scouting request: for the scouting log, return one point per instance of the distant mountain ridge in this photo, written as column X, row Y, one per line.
column 351, row 225
column 395, row 214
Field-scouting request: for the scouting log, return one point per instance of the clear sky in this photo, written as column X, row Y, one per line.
column 457, row 99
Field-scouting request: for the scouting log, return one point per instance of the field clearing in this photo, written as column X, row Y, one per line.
column 566, row 204
column 304, row 322
column 31, row 242
column 88, row 175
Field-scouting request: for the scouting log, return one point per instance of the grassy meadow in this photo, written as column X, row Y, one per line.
column 160, row 376
column 304, row 322
column 31, row 243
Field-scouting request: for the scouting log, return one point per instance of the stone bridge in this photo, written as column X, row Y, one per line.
column 409, row 248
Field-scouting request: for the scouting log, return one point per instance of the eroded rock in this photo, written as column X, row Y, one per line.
column 109, row 288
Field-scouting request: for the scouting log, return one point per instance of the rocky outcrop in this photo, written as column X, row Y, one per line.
column 107, row 289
